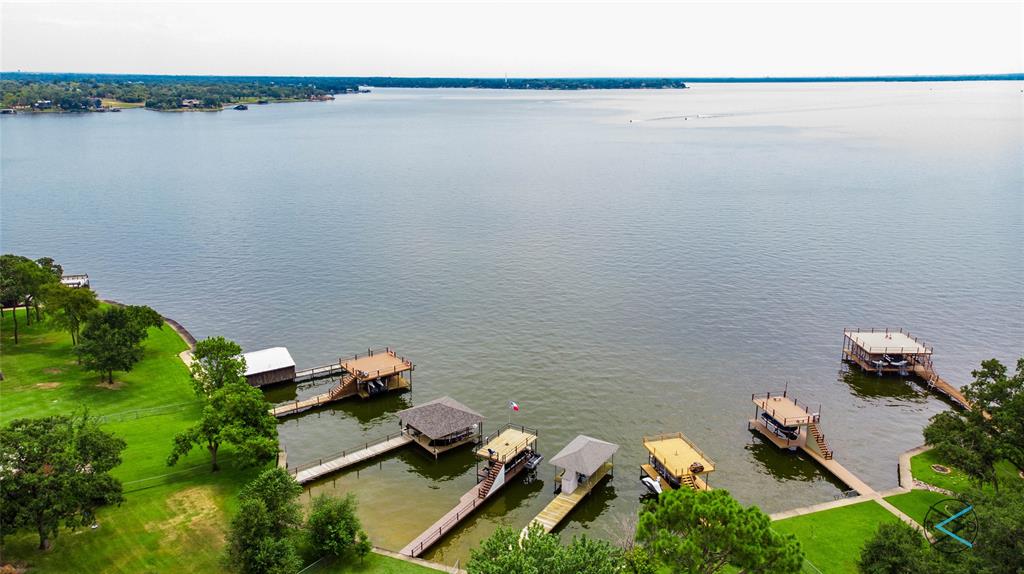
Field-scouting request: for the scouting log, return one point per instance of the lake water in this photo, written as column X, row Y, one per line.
column 619, row 263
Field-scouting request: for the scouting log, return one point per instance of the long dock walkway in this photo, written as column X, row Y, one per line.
column 344, row 389
column 938, row 384
column 562, row 505
column 333, row 463
column 467, row 504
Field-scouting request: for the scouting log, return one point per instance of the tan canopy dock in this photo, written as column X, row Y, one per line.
column 673, row 461
column 507, row 452
column 442, row 424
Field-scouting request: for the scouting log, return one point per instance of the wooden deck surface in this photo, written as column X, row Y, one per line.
column 468, row 503
column 379, row 364
column 698, row 482
column 296, row 407
column 348, row 459
column 933, row 381
column 562, row 505
column 926, row 373
column 837, row 470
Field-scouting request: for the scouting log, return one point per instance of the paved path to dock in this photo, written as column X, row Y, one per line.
column 865, row 492
column 347, row 459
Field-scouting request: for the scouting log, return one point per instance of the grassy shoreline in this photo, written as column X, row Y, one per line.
column 172, row 516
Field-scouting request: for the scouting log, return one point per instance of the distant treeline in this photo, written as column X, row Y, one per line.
column 82, row 91
column 77, row 92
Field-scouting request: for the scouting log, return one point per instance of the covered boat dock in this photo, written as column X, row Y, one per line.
column 441, row 425
column 582, row 464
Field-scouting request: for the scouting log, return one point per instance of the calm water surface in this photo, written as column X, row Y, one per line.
column 619, row 263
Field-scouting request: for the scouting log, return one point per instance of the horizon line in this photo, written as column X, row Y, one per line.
column 963, row 76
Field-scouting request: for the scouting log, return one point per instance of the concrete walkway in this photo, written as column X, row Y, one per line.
column 865, row 492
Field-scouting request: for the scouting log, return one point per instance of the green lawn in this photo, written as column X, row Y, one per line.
column 832, row 539
column 172, row 515
column 916, row 503
column 956, row 480
column 375, row 564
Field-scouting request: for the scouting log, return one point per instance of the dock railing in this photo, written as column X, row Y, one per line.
column 314, row 372
column 444, row 527
column 682, row 437
column 519, row 447
column 848, row 332
column 305, row 466
column 788, row 421
column 371, row 375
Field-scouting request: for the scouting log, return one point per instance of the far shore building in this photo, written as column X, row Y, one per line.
column 442, row 424
column 75, row 281
column 674, row 462
column 269, row 366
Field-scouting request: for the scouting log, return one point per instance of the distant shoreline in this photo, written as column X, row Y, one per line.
column 600, row 82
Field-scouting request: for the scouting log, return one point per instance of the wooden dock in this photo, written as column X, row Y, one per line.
column 562, row 505
column 829, row 464
column 344, row 389
column 332, row 370
column 468, row 503
column 338, row 461
column 936, row 383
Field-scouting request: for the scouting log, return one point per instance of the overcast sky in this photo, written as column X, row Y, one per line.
column 518, row 39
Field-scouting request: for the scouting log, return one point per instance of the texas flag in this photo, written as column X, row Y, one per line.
column 513, row 405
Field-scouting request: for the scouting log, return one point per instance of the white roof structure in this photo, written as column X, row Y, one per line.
column 584, row 455
column 270, row 359
column 880, row 342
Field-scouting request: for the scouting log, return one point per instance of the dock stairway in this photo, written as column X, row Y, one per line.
column 819, row 439
column 488, row 482
column 688, row 481
column 343, row 388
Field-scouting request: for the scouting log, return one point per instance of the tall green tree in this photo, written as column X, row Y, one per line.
column 38, row 280
column 56, row 471
column 68, row 308
column 262, row 535
column 504, row 552
column 236, row 414
column 333, row 529
column 111, row 341
column 51, row 267
column 17, row 276
column 992, row 429
column 707, row 531
column 216, row 362
column 144, row 317
column 896, row 548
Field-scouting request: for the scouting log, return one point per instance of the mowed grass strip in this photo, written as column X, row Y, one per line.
column 916, row 503
column 832, row 539
column 956, row 480
column 173, row 518
column 372, row 564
